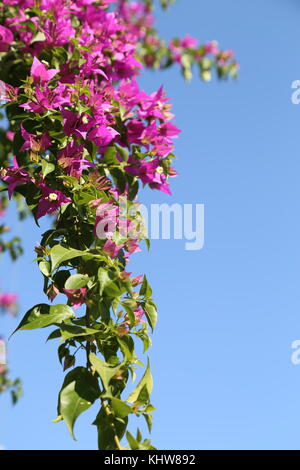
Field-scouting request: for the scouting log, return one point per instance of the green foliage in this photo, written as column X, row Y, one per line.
column 79, row 391
column 144, row 388
column 43, row 315
column 151, row 313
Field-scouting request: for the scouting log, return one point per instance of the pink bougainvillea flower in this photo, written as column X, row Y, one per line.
column 132, row 246
column 40, row 74
column 6, row 38
column 103, row 135
column 161, row 184
column 138, row 313
column 76, row 297
column 124, row 275
column 99, row 104
column 91, row 66
column 168, row 129
column 144, row 169
column 129, row 93
column 126, row 67
column 160, row 137
column 59, row 32
column 13, row 175
column 123, row 329
column 36, row 143
column 211, row 48
column 135, row 130
column 135, row 281
column 154, row 106
column 172, row 172
column 71, row 121
column 70, row 158
column 188, row 42
column 111, row 248
column 95, row 203
column 106, row 220
column 8, row 92
column 10, row 135
column 152, row 173
column 73, row 124
column 126, row 227
column 8, row 302
column 50, row 201
column 48, row 99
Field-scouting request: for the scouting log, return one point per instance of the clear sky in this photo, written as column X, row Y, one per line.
column 221, row 358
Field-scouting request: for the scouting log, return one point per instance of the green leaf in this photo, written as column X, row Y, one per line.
column 57, row 420
column 146, row 445
column 133, row 190
column 72, row 331
column 40, row 36
column 54, row 334
column 123, row 152
column 45, row 268
column 30, row 25
column 110, row 156
column 105, row 371
column 119, row 179
column 151, row 313
column 47, row 168
column 104, row 279
column 77, row 281
column 146, row 381
column 43, row 315
column 60, row 278
column 120, row 408
column 129, row 312
column 107, row 283
column 107, row 427
column 134, row 445
column 59, row 254
column 143, row 397
column 127, row 346
column 145, row 289
column 148, row 419
column 79, row 391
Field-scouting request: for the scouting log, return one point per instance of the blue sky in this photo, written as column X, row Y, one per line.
column 221, row 357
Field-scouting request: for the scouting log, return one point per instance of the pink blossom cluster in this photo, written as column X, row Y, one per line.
column 50, row 200
column 108, row 63
column 8, row 303
column 209, row 49
column 108, row 55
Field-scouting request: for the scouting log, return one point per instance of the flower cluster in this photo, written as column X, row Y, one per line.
column 83, row 137
column 8, row 303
